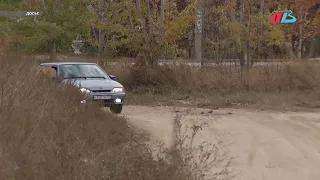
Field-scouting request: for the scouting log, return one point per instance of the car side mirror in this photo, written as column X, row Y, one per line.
column 112, row 77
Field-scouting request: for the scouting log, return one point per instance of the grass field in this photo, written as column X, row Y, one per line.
column 47, row 134
column 291, row 85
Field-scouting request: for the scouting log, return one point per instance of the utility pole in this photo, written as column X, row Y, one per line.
column 199, row 31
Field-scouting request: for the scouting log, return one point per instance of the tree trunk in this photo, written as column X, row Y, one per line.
column 162, row 15
column 162, row 7
column 51, row 18
column 289, row 47
column 94, row 33
column 101, row 41
column 101, row 44
column 149, row 44
column 260, row 28
column 53, row 52
column 290, row 51
column 250, row 54
column 300, row 36
column 231, row 12
column 191, row 44
column 243, row 54
column 300, row 41
column 143, row 21
column 312, row 48
column 152, row 46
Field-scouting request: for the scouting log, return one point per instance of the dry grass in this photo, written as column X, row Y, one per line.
column 286, row 84
column 205, row 159
column 290, row 85
column 286, row 77
column 47, row 134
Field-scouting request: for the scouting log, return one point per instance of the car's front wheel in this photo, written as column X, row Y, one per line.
column 116, row 108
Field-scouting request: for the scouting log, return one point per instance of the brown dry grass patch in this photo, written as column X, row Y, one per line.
column 286, row 84
column 47, row 134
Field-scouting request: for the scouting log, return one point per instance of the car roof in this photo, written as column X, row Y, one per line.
column 63, row 63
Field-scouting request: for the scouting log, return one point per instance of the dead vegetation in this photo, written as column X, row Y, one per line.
column 293, row 84
column 47, row 134
column 205, row 159
column 288, row 84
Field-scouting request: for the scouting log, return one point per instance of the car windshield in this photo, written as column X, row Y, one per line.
column 69, row 71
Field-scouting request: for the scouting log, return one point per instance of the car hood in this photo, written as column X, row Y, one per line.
column 94, row 84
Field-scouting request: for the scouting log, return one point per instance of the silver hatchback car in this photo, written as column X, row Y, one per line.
column 92, row 80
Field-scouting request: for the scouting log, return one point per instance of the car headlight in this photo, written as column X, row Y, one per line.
column 84, row 90
column 118, row 89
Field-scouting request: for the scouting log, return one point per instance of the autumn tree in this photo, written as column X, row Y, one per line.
column 238, row 29
column 149, row 29
column 299, row 34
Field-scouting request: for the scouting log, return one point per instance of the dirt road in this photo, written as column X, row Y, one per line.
column 265, row 145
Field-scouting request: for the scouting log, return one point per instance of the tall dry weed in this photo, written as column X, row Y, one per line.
column 285, row 77
column 47, row 134
column 195, row 155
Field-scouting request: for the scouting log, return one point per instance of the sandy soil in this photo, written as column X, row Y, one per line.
column 265, row 145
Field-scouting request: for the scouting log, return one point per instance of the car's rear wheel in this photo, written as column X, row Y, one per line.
column 116, row 108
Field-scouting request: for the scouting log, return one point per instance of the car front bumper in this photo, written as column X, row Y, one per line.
column 113, row 98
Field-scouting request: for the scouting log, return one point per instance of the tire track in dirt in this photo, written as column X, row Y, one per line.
column 265, row 145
